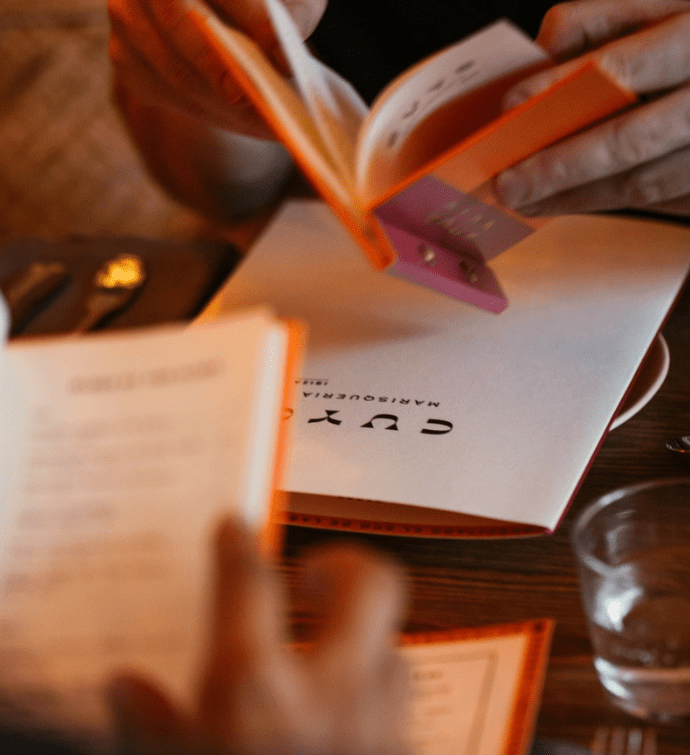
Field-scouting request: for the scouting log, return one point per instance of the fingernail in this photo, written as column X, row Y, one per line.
column 511, row 188
column 302, row 16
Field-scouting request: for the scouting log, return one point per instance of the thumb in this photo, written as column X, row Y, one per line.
column 252, row 17
column 306, row 14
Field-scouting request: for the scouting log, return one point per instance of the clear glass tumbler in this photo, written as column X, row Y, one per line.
column 633, row 553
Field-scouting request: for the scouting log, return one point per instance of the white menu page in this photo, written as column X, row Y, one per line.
column 412, row 398
column 127, row 448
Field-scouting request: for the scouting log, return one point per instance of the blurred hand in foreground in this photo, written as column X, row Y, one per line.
column 344, row 695
column 639, row 159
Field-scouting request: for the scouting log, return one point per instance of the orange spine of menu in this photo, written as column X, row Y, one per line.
column 364, row 229
column 270, row 541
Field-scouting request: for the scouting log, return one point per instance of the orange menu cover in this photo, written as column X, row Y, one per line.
column 409, row 177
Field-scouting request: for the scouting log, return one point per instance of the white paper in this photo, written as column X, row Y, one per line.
column 488, row 55
column 529, row 393
column 464, row 694
column 133, row 447
column 336, row 108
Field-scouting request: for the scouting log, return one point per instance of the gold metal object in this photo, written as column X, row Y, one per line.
column 116, row 283
column 428, row 254
column 126, row 271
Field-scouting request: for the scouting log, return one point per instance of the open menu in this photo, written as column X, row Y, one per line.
column 119, row 454
column 414, row 170
column 421, row 416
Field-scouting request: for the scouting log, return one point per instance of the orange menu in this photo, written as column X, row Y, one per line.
column 409, row 177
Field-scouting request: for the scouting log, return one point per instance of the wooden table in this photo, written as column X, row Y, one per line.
column 66, row 167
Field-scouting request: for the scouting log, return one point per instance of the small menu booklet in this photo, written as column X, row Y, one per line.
column 410, row 177
column 476, row 691
column 119, row 454
column 419, row 415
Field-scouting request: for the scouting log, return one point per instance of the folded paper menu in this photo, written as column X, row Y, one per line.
column 421, row 415
column 119, row 453
column 409, row 177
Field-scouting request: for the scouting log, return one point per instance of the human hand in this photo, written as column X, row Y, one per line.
column 639, row 159
column 159, row 58
column 344, row 695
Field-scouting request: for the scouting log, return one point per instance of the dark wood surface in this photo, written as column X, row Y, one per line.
column 66, row 167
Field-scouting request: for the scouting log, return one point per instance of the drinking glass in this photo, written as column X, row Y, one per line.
column 633, row 553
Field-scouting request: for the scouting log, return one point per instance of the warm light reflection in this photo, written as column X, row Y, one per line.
column 126, row 271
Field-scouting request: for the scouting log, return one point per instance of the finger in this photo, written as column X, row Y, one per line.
column 361, row 605
column 679, row 207
column 306, row 14
column 372, row 711
column 641, row 135
column 135, row 77
column 359, row 599
column 162, row 35
column 135, row 71
column 173, row 16
column 394, row 684
column 652, row 60
column 659, row 186
column 136, row 42
column 247, row 639
column 145, row 720
column 569, row 29
column 251, row 16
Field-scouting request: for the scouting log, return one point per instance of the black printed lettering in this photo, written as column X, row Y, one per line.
column 393, row 419
column 442, row 423
column 328, row 418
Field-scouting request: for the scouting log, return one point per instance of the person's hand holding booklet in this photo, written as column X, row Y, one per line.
column 410, row 178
